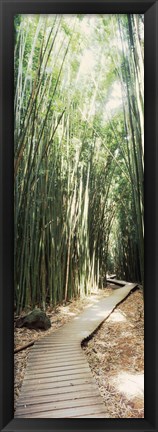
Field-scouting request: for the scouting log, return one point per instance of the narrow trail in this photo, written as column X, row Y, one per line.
column 58, row 382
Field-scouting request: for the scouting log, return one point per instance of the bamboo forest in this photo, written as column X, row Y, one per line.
column 78, row 162
column 78, row 154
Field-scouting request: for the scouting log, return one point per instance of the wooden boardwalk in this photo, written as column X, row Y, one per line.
column 58, row 382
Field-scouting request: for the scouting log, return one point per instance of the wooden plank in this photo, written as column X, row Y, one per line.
column 89, row 391
column 58, row 375
column 53, row 342
column 35, row 366
column 53, row 348
column 54, row 345
column 121, row 283
column 58, row 372
column 51, row 364
column 111, row 277
column 64, row 404
column 53, row 351
column 38, row 383
column 57, row 384
column 49, row 356
column 55, row 354
column 56, row 357
column 33, row 362
column 58, row 392
column 70, row 337
column 117, row 282
column 45, row 372
column 64, row 413
column 59, row 336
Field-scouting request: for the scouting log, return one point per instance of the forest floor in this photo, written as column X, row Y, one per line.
column 115, row 352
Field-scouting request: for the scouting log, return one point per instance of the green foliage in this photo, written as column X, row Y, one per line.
column 78, row 166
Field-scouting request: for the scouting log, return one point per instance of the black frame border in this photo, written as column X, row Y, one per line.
column 9, row 8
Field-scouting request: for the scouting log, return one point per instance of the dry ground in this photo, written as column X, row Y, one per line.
column 115, row 352
column 116, row 357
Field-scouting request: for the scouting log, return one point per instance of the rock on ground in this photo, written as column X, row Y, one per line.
column 37, row 319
